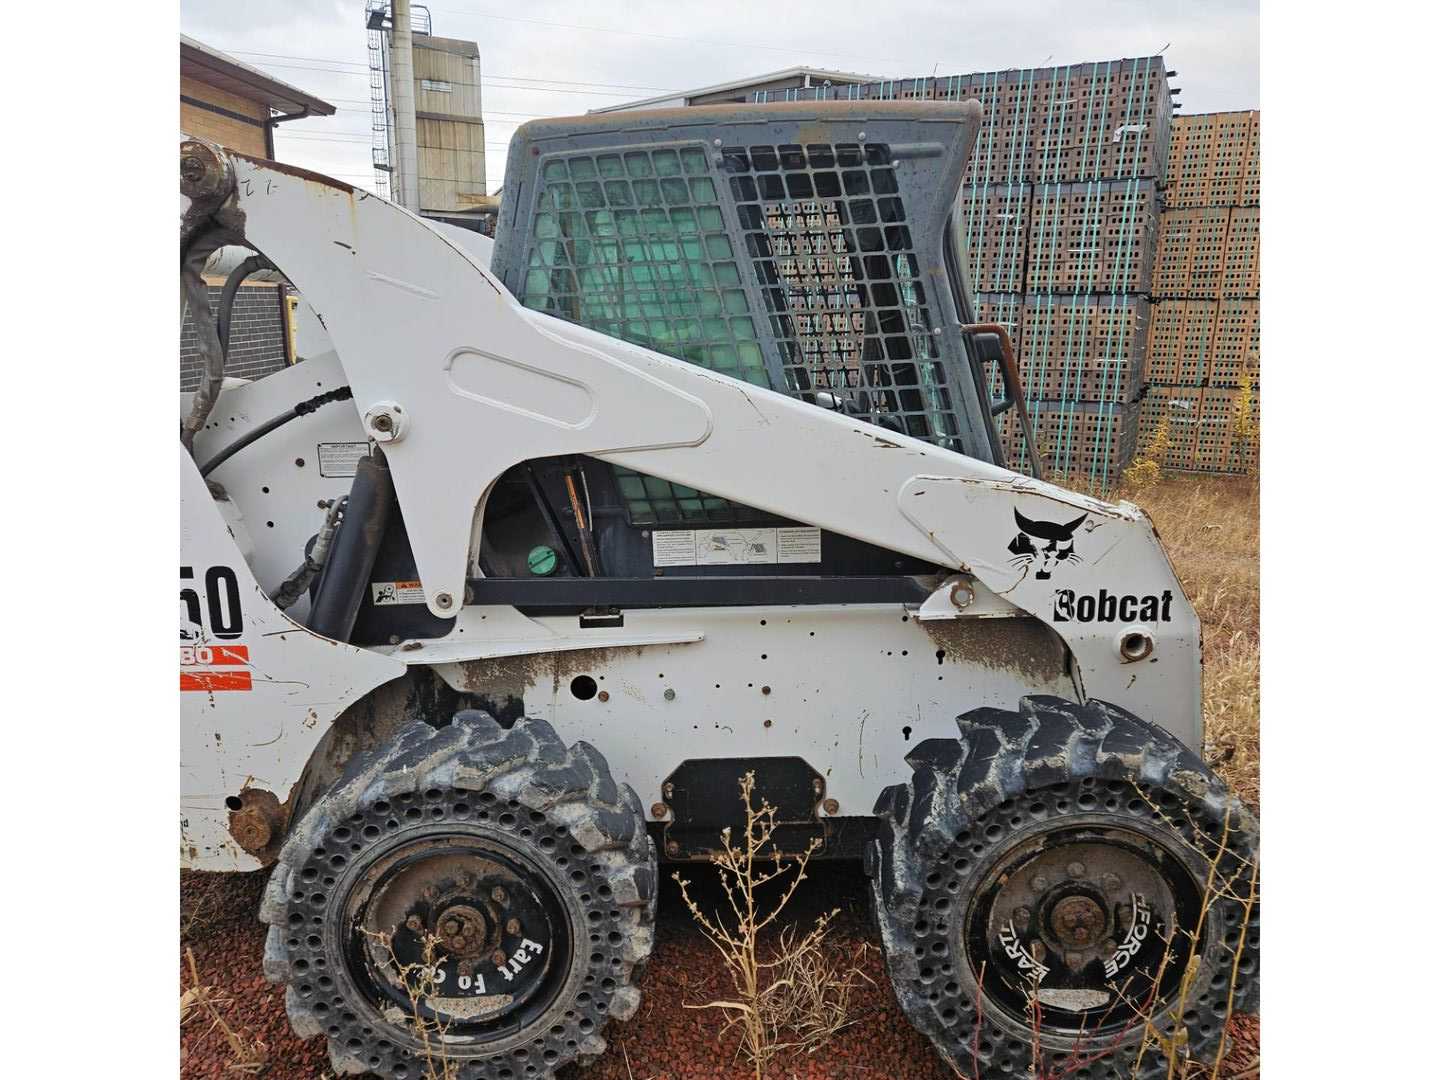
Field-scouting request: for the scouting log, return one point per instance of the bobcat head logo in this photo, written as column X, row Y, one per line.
column 1044, row 543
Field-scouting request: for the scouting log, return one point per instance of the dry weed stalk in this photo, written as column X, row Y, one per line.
column 247, row 1053
column 774, row 994
column 421, row 984
column 1149, row 465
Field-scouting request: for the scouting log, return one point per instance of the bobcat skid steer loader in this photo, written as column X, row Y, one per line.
column 489, row 603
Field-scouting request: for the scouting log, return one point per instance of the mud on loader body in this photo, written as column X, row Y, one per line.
column 492, row 599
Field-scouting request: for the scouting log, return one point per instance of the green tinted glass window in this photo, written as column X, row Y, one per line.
column 648, row 261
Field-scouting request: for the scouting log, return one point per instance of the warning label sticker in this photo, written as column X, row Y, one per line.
column 396, row 592
column 730, row 547
column 340, row 458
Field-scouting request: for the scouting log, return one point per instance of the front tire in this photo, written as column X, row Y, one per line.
column 1028, row 877
column 521, row 862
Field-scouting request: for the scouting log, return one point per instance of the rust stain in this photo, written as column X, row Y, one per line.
column 1018, row 644
column 258, row 826
column 295, row 170
column 514, row 674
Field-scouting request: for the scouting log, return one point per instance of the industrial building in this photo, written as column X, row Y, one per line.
column 428, row 131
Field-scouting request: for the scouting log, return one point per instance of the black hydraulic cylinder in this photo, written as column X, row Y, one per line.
column 352, row 553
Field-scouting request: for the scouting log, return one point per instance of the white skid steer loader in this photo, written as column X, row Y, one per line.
column 489, row 602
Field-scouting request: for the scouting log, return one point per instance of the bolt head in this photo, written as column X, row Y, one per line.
column 658, row 810
column 512, row 927
column 604, row 695
column 672, row 847
column 669, row 695
column 1021, row 915
column 1111, row 882
column 413, row 923
column 1076, row 869
column 498, row 958
column 831, row 806
column 1039, row 883
column 498, row 895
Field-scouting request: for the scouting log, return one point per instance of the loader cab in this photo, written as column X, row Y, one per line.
column 809, row 248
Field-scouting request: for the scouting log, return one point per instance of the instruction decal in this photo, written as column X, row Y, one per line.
column 340, row 458
column 735, row 547
column 384, row 593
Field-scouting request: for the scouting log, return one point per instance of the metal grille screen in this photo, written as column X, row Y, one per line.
column 825, row 229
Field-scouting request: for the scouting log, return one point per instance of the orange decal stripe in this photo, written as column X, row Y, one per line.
column 215, row 680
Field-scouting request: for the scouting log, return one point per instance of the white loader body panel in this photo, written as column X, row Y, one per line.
column 424, row 331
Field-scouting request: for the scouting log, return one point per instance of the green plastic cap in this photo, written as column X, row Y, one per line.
column 542, row 560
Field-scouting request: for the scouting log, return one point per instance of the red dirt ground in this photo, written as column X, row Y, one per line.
column 664, row 1041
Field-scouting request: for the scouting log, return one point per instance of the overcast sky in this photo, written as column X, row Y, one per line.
column 560, row 57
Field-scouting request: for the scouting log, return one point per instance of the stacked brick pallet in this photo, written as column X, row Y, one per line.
column 1205, row 325
column 1059, row 208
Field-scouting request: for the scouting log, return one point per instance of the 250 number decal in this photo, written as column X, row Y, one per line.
column 220, row 615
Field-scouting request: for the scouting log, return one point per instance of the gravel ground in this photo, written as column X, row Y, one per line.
column 664, row 1041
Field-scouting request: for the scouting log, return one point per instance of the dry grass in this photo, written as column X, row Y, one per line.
column 247, row 1053
column 1211, row 528
column 801, row 996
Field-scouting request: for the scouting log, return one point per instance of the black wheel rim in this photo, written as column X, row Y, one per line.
column 459, row 931
column 1080, row 921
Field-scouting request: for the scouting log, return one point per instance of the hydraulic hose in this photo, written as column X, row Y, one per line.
column 232, row 288
column 340, row 393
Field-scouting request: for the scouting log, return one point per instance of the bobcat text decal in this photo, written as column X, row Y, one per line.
column 1106, row 606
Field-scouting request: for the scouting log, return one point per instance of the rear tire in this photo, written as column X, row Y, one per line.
column 523, row 855
column 1054, row 849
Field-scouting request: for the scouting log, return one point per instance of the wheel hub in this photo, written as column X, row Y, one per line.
column 459, row 932
column 1072, row 922
column 1078, row 922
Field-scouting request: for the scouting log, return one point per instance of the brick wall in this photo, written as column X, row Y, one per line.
column 248, row 138
column 257, row 336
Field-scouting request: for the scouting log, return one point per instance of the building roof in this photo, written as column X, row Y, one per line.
column 199, row 61
column 682, row 96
